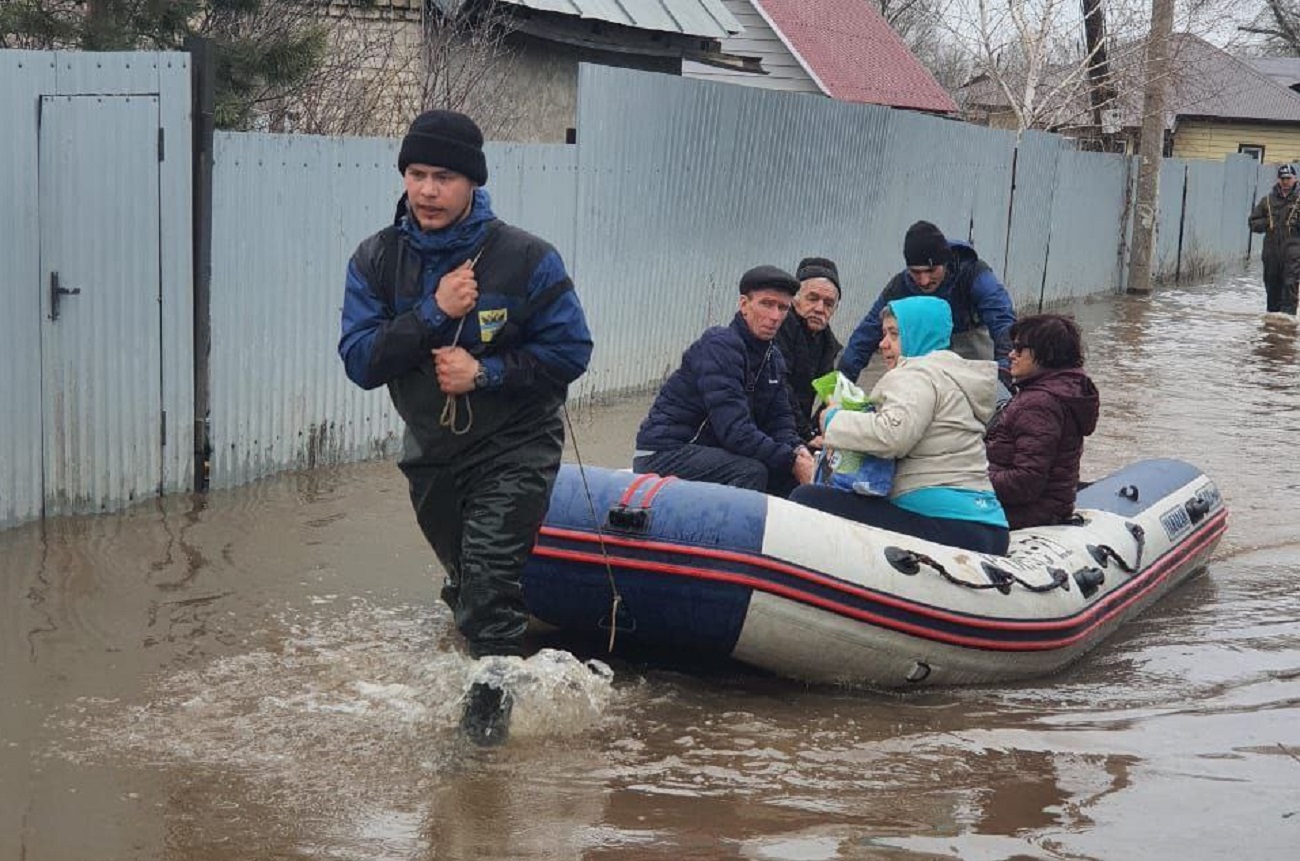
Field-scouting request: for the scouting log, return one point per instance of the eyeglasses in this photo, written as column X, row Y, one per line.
column 1017, row 347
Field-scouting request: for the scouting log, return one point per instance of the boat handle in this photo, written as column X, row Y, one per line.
column 1197, row 508
column 626, row 519
column 1140, row 537
column 1089, row 580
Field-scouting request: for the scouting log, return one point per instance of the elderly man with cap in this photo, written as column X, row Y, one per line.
column 807, row 342
column 475, row 328
column 723, row 417
column 982, row 311
column 1275, row 217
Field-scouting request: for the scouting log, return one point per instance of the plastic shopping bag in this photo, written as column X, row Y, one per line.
column 836, row 390
column 856, row 471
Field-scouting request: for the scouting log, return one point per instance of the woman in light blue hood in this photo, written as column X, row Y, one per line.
column 931, row 409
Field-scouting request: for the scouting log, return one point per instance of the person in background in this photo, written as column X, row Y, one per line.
column 807, row 343
column 1035, row 448
column 1275, row 216
column 723, row 416
column 475, row 328
column 931, row 408
column 982, row 311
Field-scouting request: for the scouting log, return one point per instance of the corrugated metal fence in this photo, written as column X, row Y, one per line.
column 97, row 391
column 666, row 199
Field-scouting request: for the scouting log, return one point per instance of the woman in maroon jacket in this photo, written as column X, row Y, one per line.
column 1035, row 448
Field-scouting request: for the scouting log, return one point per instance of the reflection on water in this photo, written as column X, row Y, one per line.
column 265, row 673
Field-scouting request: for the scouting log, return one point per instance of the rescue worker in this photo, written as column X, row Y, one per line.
column 475, row 328
column 1275, row 216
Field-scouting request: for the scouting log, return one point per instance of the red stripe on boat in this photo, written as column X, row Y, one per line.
column 1152, row 577
column 649, row 498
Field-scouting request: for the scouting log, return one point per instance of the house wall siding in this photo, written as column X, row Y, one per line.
column 758, row 40
column 540, row 97
column 1198, row 139
column 535, row 103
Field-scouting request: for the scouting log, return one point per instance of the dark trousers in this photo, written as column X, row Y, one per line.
column 1279, row 284
column 715, row 466
column 481, row 515
column 880, row 512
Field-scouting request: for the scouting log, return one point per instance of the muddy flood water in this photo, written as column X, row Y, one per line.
column 266, row 673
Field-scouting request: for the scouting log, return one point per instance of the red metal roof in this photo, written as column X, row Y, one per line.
column 855, row 55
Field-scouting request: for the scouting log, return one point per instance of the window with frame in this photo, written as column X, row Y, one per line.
column 1255, row 151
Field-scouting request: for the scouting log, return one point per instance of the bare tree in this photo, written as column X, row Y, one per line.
column 352, row 85
column 949, row 61
column 916, row 21
column 281, row 65
column 920, row 23
column 1151, row 152
column 1028, row 53
column 467, row 61
column 1037, row 64
column 1279, row 25
column 1101, row 87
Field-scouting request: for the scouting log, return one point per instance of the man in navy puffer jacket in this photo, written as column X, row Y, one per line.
column 723, row 417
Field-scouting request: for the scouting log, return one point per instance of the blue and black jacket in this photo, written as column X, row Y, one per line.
column 729, row 393
column 972, row 289
column 528, row 329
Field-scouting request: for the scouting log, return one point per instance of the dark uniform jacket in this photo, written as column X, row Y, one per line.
column 808, row 355
column 1275, row 216
column 527, row 329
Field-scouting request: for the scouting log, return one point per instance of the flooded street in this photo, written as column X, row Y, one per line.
column 266, row 673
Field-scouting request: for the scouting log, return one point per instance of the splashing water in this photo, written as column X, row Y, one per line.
column 339, row 701
column 553, row 691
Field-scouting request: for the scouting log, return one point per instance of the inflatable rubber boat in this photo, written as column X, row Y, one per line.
column 715, row 570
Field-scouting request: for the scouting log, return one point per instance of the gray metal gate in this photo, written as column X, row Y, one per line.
column 96, row 405
column 101, row 382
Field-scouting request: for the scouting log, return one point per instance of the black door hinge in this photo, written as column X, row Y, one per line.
column 162, row 146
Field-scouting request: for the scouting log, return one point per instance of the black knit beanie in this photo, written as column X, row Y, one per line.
column 925, row 245
column 768, row 278
column 819, row 267
column 445, row 139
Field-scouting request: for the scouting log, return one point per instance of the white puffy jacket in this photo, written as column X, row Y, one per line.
column 930, row 416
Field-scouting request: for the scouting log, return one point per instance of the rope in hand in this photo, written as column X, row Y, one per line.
column 449, row 408
column 616, row 598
